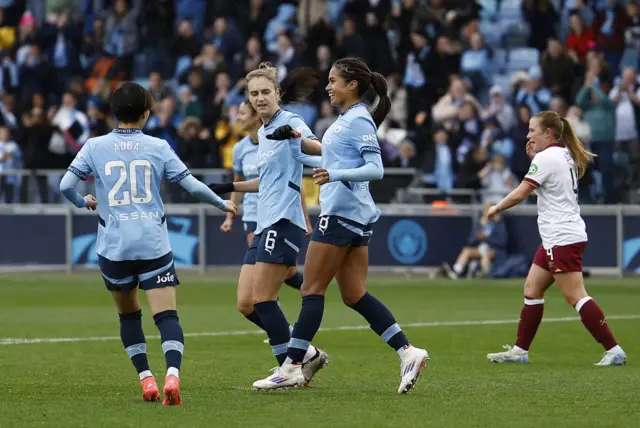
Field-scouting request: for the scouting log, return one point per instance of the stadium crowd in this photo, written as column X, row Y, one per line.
column 464, row 78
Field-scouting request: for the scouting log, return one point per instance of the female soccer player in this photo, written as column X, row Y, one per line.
column 281, row 222
column 560, row 161
column 338, row 248
column 245, row 166
column 133, row 243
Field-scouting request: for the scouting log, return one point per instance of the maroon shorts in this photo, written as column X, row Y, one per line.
column 559, row 259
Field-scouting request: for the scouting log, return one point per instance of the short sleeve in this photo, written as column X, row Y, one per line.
column 363, row 135
column 540, row 170
column 237, row 158
column 82, row 166
column 174, row 169
column 298, row 124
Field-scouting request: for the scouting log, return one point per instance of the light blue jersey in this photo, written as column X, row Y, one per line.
column 245, row 163
column 280, row 169
column 128, row 167
column 348, row 139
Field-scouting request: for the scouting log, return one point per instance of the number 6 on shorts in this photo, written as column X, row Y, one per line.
column 270, row 241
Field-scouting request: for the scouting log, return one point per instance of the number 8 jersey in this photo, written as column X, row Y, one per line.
column 128, row 167
column 554, row 175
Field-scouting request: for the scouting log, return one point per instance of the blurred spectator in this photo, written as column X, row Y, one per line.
column 193, row 11
column 520, row 161
column 476, row 64
column 156, row 86
column 287, row 59
column 580, row 39
column 499, row 109
column 34, row 145
column 632, row 33
column 600, row 114
column 447, row 108
column 7, row 33
column 186, row 47
column 580, row 127
column 7, row 115
column 497, row 179
column 189, row 104
column 559, row 105
column 488, row 241
column 121, row 35
column 327, row 117
column 351, row 43
column 533, row 93
column 439, row 163
column 226, row 39
column 558, row 69
column 609, row 26
column 542, row 17
column 9, row 159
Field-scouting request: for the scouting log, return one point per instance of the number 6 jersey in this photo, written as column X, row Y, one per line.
column 128, row 167
column 554, row 175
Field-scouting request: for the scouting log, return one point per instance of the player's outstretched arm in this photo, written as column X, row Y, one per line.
column 250, row 186
column 68, row 189
column 371, row 170
column 514, row 198
column 203, row 193
column 311, row 146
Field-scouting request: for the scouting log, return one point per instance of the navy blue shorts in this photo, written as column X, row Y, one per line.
column 127, row 274
column 341, row 232
column 250, row 255
column 279, row 244
column 250, row 227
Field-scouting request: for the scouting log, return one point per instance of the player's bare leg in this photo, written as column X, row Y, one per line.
column 572, row 286
column 162, row 302
column 537, row 283
column 132, row 336
column 352, row 278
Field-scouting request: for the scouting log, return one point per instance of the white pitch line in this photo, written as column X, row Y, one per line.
column 29, row 341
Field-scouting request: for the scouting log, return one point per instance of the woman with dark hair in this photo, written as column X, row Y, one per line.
column 339, row 242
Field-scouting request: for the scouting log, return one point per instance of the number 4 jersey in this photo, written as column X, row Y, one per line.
column 128, row 167
column 554, row 175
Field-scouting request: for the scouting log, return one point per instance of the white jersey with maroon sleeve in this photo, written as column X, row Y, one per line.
column 554, row 175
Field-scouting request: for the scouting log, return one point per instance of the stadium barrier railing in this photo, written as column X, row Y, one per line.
column 408, row 238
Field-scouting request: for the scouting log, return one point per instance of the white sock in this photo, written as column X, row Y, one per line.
column 311, row 352
column 145, row 374
column 172, row 371
column 458, row 268
column 290, row 330
column 615, row 349
column 402, row 352
column 519, row 350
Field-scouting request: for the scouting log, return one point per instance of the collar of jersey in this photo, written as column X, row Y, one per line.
column 352, row 107
column 127, row 130
column 276, row 114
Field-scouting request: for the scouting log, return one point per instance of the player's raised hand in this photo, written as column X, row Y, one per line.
column 530, row 149
column 320, row 176
column 92, row 203
column 231, row 208
column 283, row 132
column 226, row 225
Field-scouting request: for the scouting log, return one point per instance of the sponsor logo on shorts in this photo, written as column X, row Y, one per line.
column 168, row 277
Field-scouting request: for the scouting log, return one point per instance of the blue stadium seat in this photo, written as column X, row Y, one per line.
column 514, row 34
column 503, row 80
column 630, row 58
column 510, row 9
column 522, row 59
column 492, row 32
column 500, row 58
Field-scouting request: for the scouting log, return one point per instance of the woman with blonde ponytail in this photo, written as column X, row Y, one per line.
column 558, row 163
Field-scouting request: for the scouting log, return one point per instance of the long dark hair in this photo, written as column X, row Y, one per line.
column 356, row 69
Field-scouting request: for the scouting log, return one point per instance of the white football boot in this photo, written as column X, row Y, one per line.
column 283, row 377
column 613, row 357
column 412, row 361
column 311, row 367
column 511, row 355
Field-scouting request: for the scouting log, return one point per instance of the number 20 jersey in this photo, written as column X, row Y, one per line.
column 554, row 175
column 128, row 167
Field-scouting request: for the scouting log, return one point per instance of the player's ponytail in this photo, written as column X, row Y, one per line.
column 356, row 69
column 383, row 107
column 581, row 156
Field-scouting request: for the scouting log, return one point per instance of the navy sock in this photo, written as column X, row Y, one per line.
column 381, row 321
column 276, row 326
column 306, row 327
column 171, row 337
column 295, row 281
column 133, row 340
column 254, row 318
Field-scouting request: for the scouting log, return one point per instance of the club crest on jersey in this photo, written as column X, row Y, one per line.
column 337, row 129
column 532, row 169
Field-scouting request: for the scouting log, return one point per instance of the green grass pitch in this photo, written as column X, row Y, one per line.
column 91, row 383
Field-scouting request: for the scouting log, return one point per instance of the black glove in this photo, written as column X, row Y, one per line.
column 221, row 189
column 282, row 133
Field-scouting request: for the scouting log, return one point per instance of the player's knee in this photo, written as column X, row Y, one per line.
column 245, row 306
column 351, row 297
column 532, row 290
